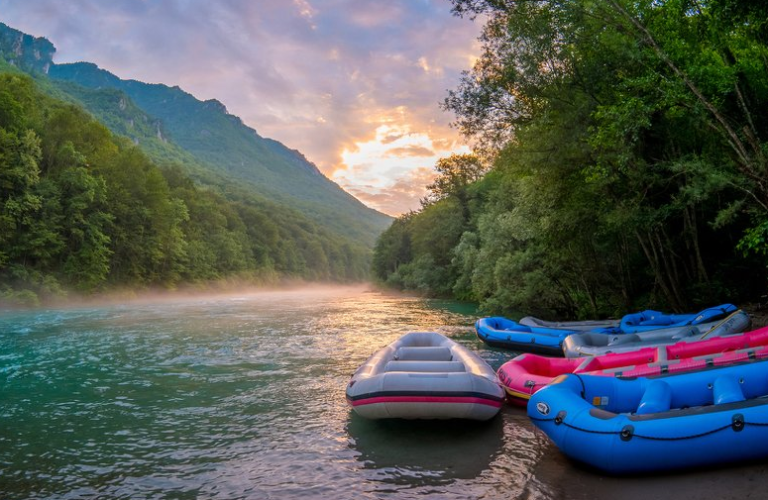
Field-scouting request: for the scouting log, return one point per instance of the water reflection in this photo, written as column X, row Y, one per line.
column 423, row 453
column 243, row 397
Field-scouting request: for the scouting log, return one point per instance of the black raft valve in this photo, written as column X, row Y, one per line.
column 560, row 417
column 737, row 422
column 627, row 432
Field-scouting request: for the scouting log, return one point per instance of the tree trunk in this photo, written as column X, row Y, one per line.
column 652, row 256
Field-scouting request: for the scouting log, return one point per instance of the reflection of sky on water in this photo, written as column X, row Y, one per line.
column 243, row 397
column 425, row 452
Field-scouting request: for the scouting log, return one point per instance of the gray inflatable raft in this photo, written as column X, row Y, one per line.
column 425, row 375
column 595, row 344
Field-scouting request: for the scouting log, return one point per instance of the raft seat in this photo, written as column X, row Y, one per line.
column 425, row 366
column 423, row 354
column 656, row 398
column 726, row 389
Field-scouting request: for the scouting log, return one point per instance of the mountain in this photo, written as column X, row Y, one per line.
column 25, row 51
column 89, row 209
column 172, row 125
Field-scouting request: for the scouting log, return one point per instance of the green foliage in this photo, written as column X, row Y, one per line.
column 173, row 126
column 83, row 209
column 630, row 162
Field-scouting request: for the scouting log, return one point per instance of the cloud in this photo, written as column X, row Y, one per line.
column 399, row 197
column 411, row 151
column 392, row 175
column 321, row 77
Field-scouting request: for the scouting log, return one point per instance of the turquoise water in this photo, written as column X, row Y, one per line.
column 243, row 397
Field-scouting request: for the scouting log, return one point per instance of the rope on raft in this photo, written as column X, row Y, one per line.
column 627, row 432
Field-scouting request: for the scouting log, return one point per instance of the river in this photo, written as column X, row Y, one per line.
column 242, row 396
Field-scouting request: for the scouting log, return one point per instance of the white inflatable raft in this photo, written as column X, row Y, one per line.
column 425, row 375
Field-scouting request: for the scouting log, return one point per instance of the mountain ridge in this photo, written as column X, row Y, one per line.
column 188, row 128
column 202, row 127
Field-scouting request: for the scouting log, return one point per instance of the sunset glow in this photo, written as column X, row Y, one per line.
column 354, row 85
column 390, row 172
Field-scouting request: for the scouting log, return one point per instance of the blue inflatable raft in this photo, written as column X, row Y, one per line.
column 509, row 334
column 626, row 426
column 503, row 332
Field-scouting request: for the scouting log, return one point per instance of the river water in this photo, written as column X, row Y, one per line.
column 243, row 397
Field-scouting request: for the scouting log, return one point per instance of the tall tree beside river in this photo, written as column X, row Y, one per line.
column 628, row 160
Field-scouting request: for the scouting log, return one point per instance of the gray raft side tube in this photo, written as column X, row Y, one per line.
column 595, row 344
column 569, row 325
column 429, row 344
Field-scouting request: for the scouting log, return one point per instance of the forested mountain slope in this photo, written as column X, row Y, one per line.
column 215, row 146
column 224, row 143
column 82, row 208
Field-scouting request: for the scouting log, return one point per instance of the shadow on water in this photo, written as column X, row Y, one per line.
column 429, row 452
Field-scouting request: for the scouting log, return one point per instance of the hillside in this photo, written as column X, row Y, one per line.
column 224, row 143
column 212, row 144
column 96, row 197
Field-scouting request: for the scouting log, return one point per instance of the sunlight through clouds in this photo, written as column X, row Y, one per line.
column 390, row 171
column 354, row 85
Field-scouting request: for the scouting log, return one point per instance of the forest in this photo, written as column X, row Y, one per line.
column 619, row 162
column 84, row 210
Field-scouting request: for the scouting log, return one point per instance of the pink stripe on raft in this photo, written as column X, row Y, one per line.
column 426, row 399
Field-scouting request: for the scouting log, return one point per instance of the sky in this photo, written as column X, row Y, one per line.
column 355, row 85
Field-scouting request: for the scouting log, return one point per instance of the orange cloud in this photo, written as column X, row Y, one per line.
column 411, row 151
column 390, row 171
column 400, row 196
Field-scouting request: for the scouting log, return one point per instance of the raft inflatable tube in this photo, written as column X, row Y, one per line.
column 528, row 373
column 595, row 344
column 642, row 321
column 548, row 338
column 425, row 375
column 674, row 421
column 508, row 334
column 579, row 326
column 653, row 320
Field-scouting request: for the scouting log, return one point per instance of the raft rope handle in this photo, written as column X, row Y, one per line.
column 583, row 387
column 531, row 384
column 737, row 425
column 721, row 322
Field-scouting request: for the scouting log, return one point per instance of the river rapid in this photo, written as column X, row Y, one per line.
column 242, row 396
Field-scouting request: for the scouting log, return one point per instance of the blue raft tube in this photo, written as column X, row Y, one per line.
column 649, row 320
column 547, row 340
column 642, row 425
column 508, row 334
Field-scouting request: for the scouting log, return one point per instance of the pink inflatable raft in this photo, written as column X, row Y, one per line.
column 527, row 373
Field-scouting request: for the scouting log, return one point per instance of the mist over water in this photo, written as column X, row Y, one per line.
column 242, row 396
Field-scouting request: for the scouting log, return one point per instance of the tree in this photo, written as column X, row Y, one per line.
column 454, row 174
column 628, row 158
